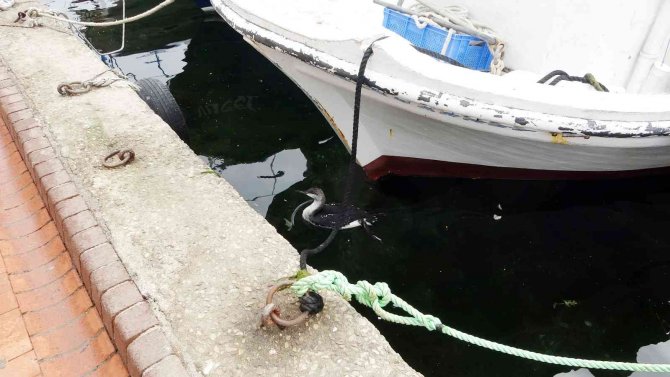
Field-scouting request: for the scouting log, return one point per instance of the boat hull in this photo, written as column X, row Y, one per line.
column 422, row 117
column 398, row 138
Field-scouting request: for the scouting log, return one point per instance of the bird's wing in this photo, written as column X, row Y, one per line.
column 337, row 215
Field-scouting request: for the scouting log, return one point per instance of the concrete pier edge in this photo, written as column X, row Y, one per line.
column 127, row 316
column 174, row 258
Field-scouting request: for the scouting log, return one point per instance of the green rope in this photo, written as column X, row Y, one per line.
column 593, row 82
column 379, row 295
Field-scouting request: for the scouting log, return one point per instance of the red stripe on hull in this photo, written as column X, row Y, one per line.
column 417, row 167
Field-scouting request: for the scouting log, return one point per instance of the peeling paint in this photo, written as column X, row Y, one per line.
column 426, row 107
column 521, row 121
column 558, row 138
column 426, row 96
column 496, row 124
column 592, row 124
column 469, row 109
column 449, row 113
column 473, row 119
column 316, row 62
column 331, row 121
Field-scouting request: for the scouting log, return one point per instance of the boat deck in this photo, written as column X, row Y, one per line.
column 48, row 323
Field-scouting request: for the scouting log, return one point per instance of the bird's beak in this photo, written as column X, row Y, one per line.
column 302, row 192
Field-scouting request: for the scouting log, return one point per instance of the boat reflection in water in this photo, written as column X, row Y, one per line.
column 262, row 181
column 652, row 354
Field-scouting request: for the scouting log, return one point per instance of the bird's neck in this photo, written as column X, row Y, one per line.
column 313, row 208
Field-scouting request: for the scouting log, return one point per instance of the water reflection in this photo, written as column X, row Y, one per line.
column 75, row 8
column 162, row 64
column 651, row 354
column 260, row 182
column 495, row 259
column 655, row 353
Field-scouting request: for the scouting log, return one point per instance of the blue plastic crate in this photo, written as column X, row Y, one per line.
column 471, row 52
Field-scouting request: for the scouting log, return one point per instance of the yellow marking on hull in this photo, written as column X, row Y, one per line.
column 557, row 138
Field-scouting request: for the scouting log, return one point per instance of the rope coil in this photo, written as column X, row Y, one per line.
column 379, row 295
column 459, row 16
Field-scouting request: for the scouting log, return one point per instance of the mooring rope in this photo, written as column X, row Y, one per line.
column 33, row 13
column 379, row 295
column 309, row 252
column 80, row 87
column 360, row 80
column 349, row 183
column 559, row 76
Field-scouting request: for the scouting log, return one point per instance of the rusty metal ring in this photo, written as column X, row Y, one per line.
column 74, row 88
column 274, row 313
column 64, row 89
column 21, row 16
column 125, row 156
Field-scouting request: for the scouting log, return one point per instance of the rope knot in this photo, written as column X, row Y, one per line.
column 325, row 280
column 379, row 294
column 430, row 322
column 32, row 13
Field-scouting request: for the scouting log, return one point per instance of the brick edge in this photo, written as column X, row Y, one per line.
column 127, row 316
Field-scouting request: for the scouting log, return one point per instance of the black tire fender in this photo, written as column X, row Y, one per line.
column 157, row 95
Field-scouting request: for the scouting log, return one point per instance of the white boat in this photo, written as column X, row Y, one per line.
column 422, row 116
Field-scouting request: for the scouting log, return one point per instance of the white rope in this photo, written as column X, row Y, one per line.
column 34, row 13
column 460, row 16
column 457, row 15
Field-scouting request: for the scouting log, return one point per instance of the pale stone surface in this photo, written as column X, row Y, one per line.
column 200, row 254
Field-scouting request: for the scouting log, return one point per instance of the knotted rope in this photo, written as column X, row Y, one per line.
column 559, row 76
column 379, row 295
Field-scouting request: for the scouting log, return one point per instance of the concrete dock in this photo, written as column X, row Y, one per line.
column 174, row 261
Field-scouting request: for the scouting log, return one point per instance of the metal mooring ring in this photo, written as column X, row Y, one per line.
column 21, row 16
column 125, row 157
column 272, row 313
column 74, row 88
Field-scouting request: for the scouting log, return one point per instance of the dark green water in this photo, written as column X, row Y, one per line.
column 601, row 244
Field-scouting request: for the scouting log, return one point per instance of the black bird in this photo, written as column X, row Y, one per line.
column 333, row 216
